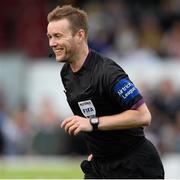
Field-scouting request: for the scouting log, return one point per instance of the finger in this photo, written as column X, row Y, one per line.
column 68, row 125
column 90, row 157
column 63, row 124
column 66, row 121
column 72, row 129
column 77, row 130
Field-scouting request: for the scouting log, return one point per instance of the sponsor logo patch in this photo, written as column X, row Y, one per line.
column 125, row 89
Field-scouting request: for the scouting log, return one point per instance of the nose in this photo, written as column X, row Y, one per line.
column 52, row 42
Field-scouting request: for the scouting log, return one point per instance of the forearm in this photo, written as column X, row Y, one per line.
column 126, row 120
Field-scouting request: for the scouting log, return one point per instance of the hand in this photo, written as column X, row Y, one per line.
column 90, row 157
column 75, row 124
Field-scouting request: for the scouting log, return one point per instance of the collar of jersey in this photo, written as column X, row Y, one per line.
column 85, row 64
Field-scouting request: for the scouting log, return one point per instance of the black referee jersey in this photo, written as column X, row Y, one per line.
column 101, row 88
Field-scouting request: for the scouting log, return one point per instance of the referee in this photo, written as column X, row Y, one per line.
column 109, row 111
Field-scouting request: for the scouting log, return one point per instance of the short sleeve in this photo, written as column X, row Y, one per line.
column 120, row 88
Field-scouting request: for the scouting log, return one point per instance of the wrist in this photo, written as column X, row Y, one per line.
column 94, row 121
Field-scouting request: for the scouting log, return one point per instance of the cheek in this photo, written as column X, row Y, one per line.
column 66, row 44
column 73, row 45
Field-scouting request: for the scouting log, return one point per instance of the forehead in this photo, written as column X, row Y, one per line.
column 59, row 26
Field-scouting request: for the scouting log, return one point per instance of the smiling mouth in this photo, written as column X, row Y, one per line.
column 59, row 50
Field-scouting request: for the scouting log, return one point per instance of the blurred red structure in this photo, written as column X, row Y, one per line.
column 23, row 26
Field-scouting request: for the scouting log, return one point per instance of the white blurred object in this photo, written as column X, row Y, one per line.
column 171, row 164
column 44, row 82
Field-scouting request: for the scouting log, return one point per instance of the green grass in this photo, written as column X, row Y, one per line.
column 38, row 169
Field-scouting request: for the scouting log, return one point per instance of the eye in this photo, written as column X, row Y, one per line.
column 49, row 37
column 58, row 36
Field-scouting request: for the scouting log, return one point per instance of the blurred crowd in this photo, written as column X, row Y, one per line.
column 117, row 28
column 23, row 132
column 164, row 103
column 123, row 27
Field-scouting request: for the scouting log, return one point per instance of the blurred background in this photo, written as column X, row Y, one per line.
column 142, row 36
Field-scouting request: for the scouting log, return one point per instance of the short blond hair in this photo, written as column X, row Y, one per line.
column 77, row 18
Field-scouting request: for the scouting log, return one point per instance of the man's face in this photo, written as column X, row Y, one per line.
column 61, row 39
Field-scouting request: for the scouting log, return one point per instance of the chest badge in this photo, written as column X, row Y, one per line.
column 87, row 108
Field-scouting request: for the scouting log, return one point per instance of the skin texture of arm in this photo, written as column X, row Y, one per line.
column 125, row 120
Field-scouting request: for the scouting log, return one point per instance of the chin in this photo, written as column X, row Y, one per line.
column 60, row 59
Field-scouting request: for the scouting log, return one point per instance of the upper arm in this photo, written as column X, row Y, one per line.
column 126, row 94
column 120, row 88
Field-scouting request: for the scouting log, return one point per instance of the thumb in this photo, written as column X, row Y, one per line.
column 90, row 157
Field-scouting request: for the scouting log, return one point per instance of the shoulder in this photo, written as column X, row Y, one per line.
column 107, row 67
column 105, row 63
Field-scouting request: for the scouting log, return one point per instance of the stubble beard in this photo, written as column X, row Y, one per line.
column 64, row 57
column 70, row 55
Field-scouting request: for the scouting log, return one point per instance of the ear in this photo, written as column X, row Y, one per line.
column 80, row 35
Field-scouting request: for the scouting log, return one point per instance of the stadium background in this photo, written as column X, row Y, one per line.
column 143, row 36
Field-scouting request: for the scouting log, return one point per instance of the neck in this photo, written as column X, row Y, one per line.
column 80, row 58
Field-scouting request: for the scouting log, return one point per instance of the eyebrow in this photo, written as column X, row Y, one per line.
column 55, row 34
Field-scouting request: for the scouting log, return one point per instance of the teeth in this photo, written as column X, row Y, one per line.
column 58, row 50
